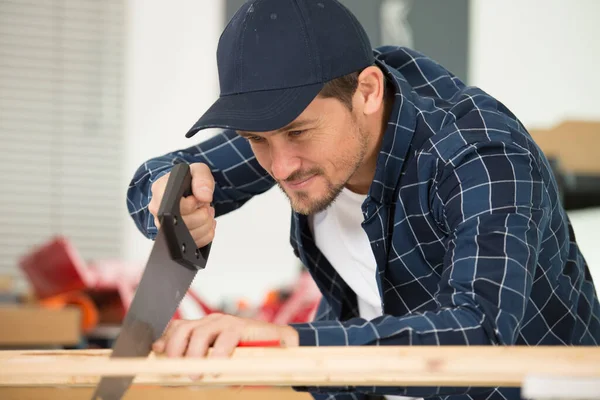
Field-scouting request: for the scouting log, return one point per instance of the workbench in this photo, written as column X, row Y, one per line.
column 541, row 372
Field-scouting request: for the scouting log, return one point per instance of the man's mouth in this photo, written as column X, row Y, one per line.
column 299, row 183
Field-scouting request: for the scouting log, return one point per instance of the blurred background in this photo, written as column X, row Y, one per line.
column 89, row 90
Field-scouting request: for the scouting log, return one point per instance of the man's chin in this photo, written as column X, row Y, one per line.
column 305, row 209
column 303, row 204
column 306, row 203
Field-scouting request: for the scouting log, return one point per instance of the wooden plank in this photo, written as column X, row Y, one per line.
column 29, row 325
column 574, row 143
column 155, row 393
column 380, row 366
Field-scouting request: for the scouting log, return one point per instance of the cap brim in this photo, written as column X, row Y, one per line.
column 257, row 111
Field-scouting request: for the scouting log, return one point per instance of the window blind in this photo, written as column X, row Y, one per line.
column 61, row 137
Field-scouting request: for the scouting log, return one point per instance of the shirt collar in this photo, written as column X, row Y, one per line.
column 396, row 140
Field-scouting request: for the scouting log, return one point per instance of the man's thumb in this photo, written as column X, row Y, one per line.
column 202, row 192
column 203, row 183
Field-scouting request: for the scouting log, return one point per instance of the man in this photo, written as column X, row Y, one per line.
column 422, row 208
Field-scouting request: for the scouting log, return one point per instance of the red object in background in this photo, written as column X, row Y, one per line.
column 270, row 306
column 302, row 303
column 59, row 277
column 56, row 268
column 90, row 315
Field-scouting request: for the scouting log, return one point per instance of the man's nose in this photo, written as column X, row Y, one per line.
column 283, row 162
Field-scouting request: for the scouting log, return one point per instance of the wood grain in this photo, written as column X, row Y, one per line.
column 324, row 366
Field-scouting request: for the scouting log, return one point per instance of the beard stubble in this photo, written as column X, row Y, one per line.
column 301, row 202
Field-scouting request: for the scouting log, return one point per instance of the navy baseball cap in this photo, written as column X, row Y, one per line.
column 275, row 56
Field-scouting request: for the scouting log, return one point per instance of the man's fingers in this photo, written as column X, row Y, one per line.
column 177, row 341
column 200, row 217
column 206, row 334
column 201, row 224
column 203, row 186
column 226, row 343
column 208, row 237
column 221, row 332
column 159, row 345
column 203, row 183
column 203, row 193
column 200, row 221
column 188, row 205
column 153, row 206
column 201, row 339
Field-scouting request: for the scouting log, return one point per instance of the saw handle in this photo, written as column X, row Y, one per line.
column 181, row 245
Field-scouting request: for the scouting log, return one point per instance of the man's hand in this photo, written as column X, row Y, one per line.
column 197, row 214
column 193, row 338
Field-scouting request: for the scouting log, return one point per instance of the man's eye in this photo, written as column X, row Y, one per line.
column 255, row 139
column 295, row 133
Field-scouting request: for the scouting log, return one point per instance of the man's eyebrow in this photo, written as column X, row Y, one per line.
column 298, row 124
column 289, row 127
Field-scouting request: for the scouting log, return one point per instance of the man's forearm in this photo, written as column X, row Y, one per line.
column 139, row 192
column 237, row 174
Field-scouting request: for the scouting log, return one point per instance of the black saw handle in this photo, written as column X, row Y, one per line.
column 181, row 245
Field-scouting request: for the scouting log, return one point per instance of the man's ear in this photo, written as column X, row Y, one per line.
column 370, row 90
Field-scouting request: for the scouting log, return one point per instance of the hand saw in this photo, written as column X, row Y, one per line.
column 173, row 263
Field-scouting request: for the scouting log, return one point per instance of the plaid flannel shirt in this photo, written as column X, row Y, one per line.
column 464, row 218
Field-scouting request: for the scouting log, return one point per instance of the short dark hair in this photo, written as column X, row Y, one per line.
column 343, row 88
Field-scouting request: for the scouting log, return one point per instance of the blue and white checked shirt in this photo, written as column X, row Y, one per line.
column 464, row 219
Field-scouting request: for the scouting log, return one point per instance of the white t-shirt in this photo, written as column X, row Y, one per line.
column 340, row 237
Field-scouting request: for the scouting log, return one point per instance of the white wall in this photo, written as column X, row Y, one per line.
column 585, row 223
column 541, row 59
column 171, row 79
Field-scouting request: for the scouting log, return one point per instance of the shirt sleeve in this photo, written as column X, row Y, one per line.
column 238, row 176
column 491, row 200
